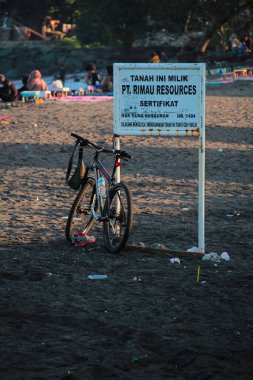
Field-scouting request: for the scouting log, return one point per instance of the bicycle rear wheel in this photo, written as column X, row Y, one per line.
column 80, row 217
column 118, row 224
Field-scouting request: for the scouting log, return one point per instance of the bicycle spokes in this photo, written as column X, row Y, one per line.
column 119, row 218
column 80, row 217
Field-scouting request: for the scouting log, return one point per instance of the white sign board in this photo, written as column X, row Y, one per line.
column 158, row 99
column 163, row 100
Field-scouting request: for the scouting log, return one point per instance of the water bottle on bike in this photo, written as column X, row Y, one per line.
column 101, row 185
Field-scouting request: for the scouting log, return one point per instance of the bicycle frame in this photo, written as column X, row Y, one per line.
column 98, row 167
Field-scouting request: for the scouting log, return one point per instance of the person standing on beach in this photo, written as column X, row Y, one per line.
column 8, row 91
column 156, row 57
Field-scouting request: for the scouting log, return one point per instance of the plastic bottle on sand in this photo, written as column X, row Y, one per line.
column 97, row 276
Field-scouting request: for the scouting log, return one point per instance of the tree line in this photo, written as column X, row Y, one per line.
column 122, row 22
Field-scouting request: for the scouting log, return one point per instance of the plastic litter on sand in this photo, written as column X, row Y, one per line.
column 232, row 215
column 212, row 256
column 198, row 273
column 175, row 260
column 97, row 276
column 225, row 256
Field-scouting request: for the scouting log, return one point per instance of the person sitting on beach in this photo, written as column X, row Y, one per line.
column 163, row 56
column 57, row 88
column 24, row 87
column 235, row 45
column 8, row 91
column 62, row 74
column 35, row 82
column 247, row 44
column 92, row 78
column 107, row 84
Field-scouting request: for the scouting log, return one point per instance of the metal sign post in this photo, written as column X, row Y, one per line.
column 163, row 100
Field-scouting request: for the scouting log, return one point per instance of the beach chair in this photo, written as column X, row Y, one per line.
column 59, row 92
column 239, row 73
column 33, row 95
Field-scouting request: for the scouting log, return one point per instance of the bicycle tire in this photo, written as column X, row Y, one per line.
column 118, row 219
column 80, row 210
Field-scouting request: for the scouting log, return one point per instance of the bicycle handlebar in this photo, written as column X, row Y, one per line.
column 86, row 142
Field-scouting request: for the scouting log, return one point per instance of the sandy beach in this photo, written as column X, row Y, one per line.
column 149, row 319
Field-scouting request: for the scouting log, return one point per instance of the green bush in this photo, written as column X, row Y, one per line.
column 70, row 42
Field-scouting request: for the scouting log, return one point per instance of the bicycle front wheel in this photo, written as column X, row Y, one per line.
column 80, row 217
column 118, row 218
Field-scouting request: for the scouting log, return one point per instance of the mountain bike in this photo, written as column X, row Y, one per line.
column 102, row 200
